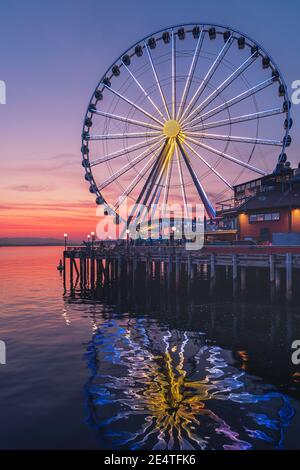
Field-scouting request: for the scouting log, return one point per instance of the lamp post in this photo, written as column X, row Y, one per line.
column 65, row 236
column 89, row 239
column 93, row 238
column 173, row 230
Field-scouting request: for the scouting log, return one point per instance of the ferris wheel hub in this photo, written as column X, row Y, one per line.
column 171, row 128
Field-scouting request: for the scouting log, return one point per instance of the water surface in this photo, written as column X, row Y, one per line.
column 140, row 370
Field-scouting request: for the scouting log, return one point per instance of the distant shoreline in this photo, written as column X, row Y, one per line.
column 30, row 244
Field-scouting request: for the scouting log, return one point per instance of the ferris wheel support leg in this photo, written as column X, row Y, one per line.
column 203, row 196
column 148, row 184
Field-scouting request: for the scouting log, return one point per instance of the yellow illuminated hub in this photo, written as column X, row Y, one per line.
column 171, row 128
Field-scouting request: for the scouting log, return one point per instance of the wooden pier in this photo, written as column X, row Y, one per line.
column 91, row 265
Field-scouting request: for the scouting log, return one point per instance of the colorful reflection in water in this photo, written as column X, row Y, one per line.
column 154, row 388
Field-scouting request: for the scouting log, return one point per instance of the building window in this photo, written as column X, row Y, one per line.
column 264, row 217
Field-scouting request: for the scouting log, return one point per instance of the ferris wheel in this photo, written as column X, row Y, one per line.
column 182, row 116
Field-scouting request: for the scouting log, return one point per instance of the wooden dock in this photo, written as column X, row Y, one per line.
column 91, row 265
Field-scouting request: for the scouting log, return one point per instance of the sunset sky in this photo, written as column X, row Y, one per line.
column 52, row 54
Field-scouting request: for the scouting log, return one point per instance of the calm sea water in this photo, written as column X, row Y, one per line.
column 140, row 370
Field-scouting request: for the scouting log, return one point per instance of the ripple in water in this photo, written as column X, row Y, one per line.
column 154, row 388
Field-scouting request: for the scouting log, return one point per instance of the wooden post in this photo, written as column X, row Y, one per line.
column 201, row 270
column 119, row 267
column 189, row 267
column 157, row 267
column 71, row 272
column 234, row 267
column 75, row 266
column 107, row 261
column 92, row 271
column 98, row 271
column 170, row 269
column 272, row 269
column 128, row 267
column 177, row 266
column 134, row 268
column 211, row 272
column 113, row 269
column 147, row 266
column 84, row 271
column 277, row 280
column 162, row 268
column 289, row 272
column 243, row 278
column 272, row 276
column 213, row 268
column 192, row 270
column 235, row 273
column 65, row 267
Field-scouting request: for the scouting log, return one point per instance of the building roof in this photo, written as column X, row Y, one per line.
column 272, row 200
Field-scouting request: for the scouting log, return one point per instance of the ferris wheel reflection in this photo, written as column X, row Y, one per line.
column 155, row 388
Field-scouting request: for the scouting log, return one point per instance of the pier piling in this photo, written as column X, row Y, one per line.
column 171, row 264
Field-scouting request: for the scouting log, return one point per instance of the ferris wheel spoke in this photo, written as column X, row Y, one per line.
column 232, row 77
column 126, row 167
column 239, row 119
column 148, row 183
column 208, row 165
column 125, row 135
column 173, row 44
column 158, row 172
column 135, row 181
column 190, row 74
column 120, row 153
column 134, row 105
column 144, row 91
column 181, row 179
column 234, row 138
column 157, row 189
column 157, row 197
column 130, row 189
column 232, row 101
column 202, row 194
column 226, row 156
column 157, row 80
column 168, row 179
column 206, row 79
column 126, row 119
column 158, row 186
column 164, row 172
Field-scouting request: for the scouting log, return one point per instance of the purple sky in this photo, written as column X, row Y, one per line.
column 52, row 54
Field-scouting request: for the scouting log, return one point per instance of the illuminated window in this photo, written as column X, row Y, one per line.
column 270, row 216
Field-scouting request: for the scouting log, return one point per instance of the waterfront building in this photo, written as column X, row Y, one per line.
column 266, row 209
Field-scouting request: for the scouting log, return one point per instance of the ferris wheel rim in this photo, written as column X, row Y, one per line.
column 261, row 52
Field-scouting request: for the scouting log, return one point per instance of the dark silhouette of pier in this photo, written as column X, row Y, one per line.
column 235, row 270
